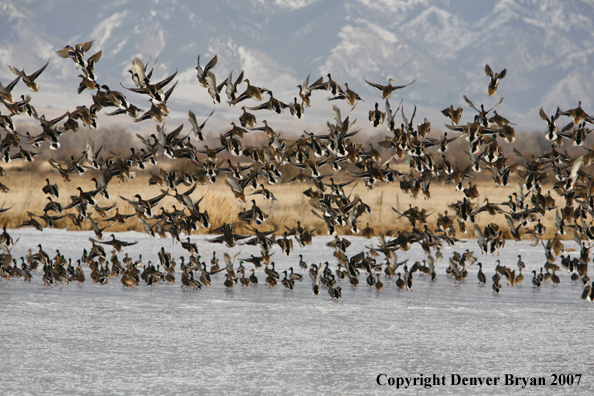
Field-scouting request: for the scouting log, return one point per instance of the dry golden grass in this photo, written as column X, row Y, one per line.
column 26, row 181
column 26, row 195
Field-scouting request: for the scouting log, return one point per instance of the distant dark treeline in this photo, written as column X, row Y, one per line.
column 119, row 140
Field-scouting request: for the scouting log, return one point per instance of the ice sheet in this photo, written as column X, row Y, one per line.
column 93, row 339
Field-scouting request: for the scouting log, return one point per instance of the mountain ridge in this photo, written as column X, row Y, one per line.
column 546, row 47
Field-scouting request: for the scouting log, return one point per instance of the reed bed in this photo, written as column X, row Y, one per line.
column 26, row 183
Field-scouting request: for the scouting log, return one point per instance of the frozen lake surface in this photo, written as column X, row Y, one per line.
column 94, row 339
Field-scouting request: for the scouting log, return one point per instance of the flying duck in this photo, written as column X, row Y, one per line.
column 494, row 83
column 388, row 89
column 29, row 80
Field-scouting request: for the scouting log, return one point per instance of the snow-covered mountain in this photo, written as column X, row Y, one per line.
column 546, row 45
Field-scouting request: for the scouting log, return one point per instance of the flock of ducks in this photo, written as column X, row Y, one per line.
column 196, row 274
column 319, row 159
